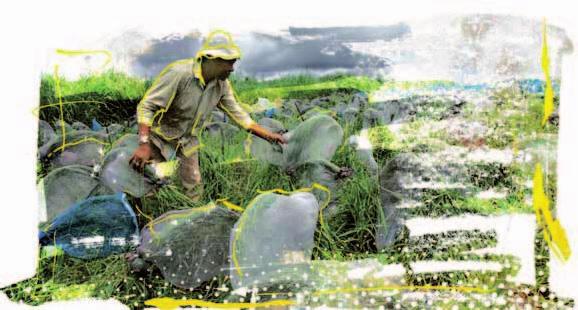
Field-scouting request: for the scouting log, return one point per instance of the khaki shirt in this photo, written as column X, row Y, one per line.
column 178, row 103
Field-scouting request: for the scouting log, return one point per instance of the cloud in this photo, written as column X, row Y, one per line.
column 311, row 50
column 163, row 51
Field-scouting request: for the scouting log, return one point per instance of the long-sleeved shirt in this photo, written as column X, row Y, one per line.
column 178, row 103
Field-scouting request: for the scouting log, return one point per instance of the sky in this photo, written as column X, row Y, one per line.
column 474, row 48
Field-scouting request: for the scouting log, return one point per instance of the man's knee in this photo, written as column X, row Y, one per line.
column 190, row 174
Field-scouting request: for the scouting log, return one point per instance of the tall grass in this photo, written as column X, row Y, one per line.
column 112, row 96
column 228, row 173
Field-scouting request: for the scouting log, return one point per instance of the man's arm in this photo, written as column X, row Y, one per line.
column 159, row 96
column 230, row 106
column 261, row 132
column 156, row 100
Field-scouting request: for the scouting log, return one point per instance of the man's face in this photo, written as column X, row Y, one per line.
column 219, row 68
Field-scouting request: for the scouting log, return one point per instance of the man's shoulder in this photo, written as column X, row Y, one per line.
column 180, row 67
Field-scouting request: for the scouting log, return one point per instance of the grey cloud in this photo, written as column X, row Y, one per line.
column 312, row 50
column 162, row 52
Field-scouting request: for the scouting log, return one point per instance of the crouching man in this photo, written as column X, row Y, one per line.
column 172, row 112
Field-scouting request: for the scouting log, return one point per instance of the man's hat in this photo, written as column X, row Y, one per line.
column 219, row 44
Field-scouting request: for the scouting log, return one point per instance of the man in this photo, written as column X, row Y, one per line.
column 173, row 110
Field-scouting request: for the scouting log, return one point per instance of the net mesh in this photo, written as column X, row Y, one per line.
column 273, row 240
column 97, row 227
column 189, row 246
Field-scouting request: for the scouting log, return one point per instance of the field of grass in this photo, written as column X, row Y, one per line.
column 228, row 173
column 113, row 96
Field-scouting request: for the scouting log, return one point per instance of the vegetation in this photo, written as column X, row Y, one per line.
column 349, row 234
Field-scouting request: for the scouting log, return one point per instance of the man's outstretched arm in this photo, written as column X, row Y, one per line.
column 261, row 132
column 230, row 106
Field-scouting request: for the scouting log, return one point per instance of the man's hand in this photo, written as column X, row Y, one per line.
column 266, row 134
column 277, row 138
column 141, row 156
column 143, row 153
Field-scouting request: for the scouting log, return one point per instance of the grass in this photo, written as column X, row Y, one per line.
column 63, row 277
column 111, row 97
column 227, row 172
column 515, row 122
column 108, row 97
column 301, row 86
column 446, row 203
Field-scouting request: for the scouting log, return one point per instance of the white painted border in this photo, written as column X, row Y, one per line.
column 30, row 28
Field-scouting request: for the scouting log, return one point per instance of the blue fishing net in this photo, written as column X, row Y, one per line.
column 97, row 227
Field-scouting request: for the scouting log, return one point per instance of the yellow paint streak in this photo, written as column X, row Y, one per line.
column 167, row 108
column 166, row 168
column 188, row 152
column 235, row 160
column 554, row 233
column 230, row 45
column 248, row 143
column 59, row 95
column 85, row 139
column 167, row 303
column 36, row 110
column 549, row 93
column 238, row 121
column 151, row 224
column 86, row 52
column 230, row 205
column 140, row 112
column 148, row 217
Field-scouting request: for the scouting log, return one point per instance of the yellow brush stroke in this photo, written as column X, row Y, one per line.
column 165, row 169
column 549, row 93
column 229, row 45
column 148, row 217
column 87, row 52
column 231, row 115
column 230, row 205
column 36, row 110
column 167, row 303
column 464, row 289
column 554, row 233
column 235, row 160
column 141, row 114
column 248, row 143
column 250, row 205
column 151, row 224
column 85, row 139
column 59, row 95
column 210, row 206
column 158, row 115
column 305, row 189
column 59, row 89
